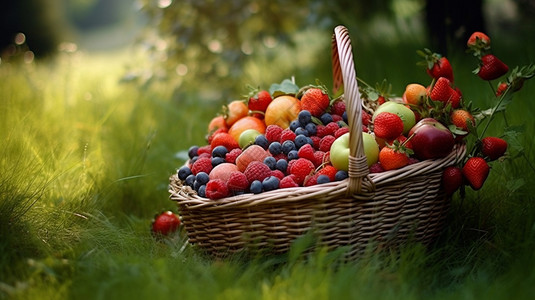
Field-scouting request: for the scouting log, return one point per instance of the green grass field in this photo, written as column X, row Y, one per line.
column 85, row 161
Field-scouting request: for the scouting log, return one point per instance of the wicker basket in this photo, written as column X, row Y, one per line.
column 385, row 208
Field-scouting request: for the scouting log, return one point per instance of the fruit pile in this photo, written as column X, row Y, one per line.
column 290, row 136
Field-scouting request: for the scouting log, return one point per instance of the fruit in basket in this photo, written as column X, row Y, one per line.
column 405, row 113
column 493, row 147
column 393, row 156
column 224, row 139
column 259, row 102
column 237, row 183
column 216, row 189
column 223, row 171
column 257, row 170
column 491, row 67
column 165, row 223
column 414, row 94
column 442, row 91
column 216, row 123
column 247, row 137
column 250, row 154
column 430, row 139
column 234, row 111
column 315, row 100
column 282, row 111
column 339, row 152
column 301, row 168
column 247, row 122
column 476, row 171
column 387, row 126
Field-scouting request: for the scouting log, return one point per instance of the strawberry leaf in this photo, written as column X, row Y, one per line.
column 286, row 87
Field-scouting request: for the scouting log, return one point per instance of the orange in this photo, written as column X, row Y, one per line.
column 216, row 123
column 282, row 111
column 248, row 122
column 414, row 94
column 234, row 111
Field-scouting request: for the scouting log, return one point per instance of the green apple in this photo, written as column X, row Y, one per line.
column 247, row 137
column 339, row 152
column 405, row 113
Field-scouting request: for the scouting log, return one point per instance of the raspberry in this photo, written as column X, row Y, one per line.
column 204, row 149
column 232, row 155
column 321, row 131
column 366, row 118
column 301, row 168
column 287, row 135
column 338, row 107
column 273, row 133
column 328, row 170
column 311, row 180
column 277, row 173
column 216, row 189
column 203, row 164
column 237, row 183
column 341, row 131
column 319, row 157
column 376, row 168
column 257, row 171
column 331, row 128
column 288, row 182
column 337, row 118
column 326, row 142
column 306, row 151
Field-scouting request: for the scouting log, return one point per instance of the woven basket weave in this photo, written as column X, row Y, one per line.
column 388, row 208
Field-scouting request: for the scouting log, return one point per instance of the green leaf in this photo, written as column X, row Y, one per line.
column 286, row 87
column 512, row 135
column 514, row 185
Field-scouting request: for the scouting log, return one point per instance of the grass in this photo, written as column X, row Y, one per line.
column 85, row 161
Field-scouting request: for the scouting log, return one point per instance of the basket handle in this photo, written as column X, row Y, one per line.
column 344, row 76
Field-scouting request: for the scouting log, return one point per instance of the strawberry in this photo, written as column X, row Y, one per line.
column 442, row 90
column 301, row 168
column 387, row 126
column 436, row 65
column 259, row 101
column 475, row 171
column 216, row 189
column 493, row 147
column 502, row 87
column 461, row 118
column 165, row 223
column 491, row 68
column 394, row 156
column 224, row 139
column 452, row 179
column 478, row 43
column 315, row 100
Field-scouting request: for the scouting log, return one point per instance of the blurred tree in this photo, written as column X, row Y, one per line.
column 41, row 21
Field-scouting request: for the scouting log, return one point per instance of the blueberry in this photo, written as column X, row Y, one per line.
column 197, row 185
column 311, row 129
column 202, row 177
column 326, row 118
column 190, row 180
column 256, row 187
column 293, row 155
column 282, row 165
column 340, row 175
column 219, row 151
column 217, row 160
column 323, row 179
column 344, row 116
column 304, row 117
column 270, row 161
column 294, row 125
column 310, row 141
column 288, row 146
column 193, row 151
column 270, row 183
column 300, row 140
column 202, row 191
column 301, row 131
column 193, row 159
column 275, row 148
column 184, row 172
column 261, row 141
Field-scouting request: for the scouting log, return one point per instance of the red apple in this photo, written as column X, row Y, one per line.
column 430, row 139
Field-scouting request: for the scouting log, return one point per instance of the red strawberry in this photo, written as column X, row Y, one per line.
column 257, row 170
column 260, row 101
column 224, row 139
column 491, row 68
column 442, row 90
column 387, row 126
column 502, row 87
column 493, row 147
column 436, row 65
column 475, row 171
column 329, row 171
column 478, row 39
column 237, row 182
column 452, row 179
column 315, row 100
column 301, row 168
column 165, row 223
column 216, row 189
column 391, row 158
